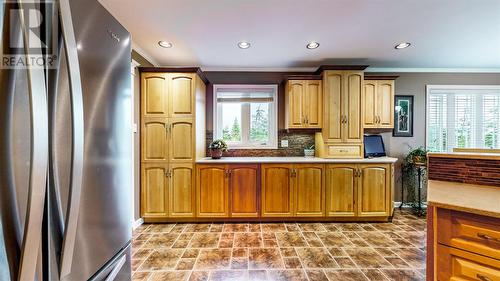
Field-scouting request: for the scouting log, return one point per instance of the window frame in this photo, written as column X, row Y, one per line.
column 245, row 120
column 455, row 88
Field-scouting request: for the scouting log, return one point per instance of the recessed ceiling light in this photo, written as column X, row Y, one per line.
column 244, row 45
column 165, row 44
column 402, row 45
column 312, row 45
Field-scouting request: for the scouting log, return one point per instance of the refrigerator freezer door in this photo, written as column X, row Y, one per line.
column 104, row 224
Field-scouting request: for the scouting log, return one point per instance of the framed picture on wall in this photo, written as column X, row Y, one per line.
column 403, row 116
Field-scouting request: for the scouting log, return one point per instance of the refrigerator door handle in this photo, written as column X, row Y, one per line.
column 39, row 161
column 112, row 275
column 77, row 138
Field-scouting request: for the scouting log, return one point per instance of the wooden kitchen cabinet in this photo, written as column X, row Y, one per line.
column 181, row 139
column 181, row 190
column 154, row 88
column 374, row 193
column 154, row 142
column 154, row 192
column 309, row 184
column 244, row 186
column 304, row 104
column 342, row 133
column 293, row 190
column 212, row 199
column 182, row 94
column 378, row 104
column 277, row 190
column 341, row 183
column 172, row 137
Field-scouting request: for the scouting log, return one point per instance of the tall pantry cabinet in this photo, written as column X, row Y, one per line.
column 172, row 138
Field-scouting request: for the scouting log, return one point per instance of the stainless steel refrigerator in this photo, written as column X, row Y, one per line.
column 65, row 144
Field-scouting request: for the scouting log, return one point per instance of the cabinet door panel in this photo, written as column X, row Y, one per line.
column 154, row 191
column 296, row 92
column 212, row 191
column 243, row 183
column 340, row 190
column 182, row 190
column 314, row 103
column 333, row 93
column 181, row 139
column 385, row 104
column 309, row 191
column 154, row 139
column 276, row 191
column 181, row 95
column 154, row 95
column 370, row 103
column 352, row 107
column 373, row 190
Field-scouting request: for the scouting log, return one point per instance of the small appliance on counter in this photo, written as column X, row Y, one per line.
column 374, row 146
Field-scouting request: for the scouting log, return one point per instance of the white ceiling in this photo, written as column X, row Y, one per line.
column 443, row 33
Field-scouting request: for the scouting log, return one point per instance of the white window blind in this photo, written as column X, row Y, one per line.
column 462, row 116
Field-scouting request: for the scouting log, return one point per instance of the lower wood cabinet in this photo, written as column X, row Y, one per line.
column 227, row 191
column 358, row 190
column 244, row 190
column 154, row 192
column 341, row 183
column 293, row 190
column 212, row 191
column 374, row 193
column 167, row 191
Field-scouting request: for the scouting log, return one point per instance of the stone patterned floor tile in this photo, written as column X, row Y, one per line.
column 281, row 251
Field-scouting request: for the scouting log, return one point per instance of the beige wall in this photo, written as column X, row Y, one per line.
column 414, row 84
column 137, row 136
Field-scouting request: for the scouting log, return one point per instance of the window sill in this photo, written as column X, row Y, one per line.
column 252, row 147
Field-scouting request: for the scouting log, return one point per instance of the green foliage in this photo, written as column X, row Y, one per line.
column 235, row 131
column 259, row 128
column 409, row 174
column 218, row 144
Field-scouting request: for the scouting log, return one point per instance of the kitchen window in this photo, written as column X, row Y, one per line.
column 245, row 116
column 463, row 117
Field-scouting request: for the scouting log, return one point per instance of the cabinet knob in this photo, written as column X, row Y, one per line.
column 482, row 277
column 487, row 237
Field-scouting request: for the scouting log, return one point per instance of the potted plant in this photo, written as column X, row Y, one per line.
column 309, row 151
column 216, row 148
column 417, row 156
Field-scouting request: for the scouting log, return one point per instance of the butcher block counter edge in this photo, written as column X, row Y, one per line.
column 272, row 160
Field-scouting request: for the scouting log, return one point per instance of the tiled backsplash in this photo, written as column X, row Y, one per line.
column 297, row 141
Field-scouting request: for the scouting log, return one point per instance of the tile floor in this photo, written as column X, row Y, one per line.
column 281, row 251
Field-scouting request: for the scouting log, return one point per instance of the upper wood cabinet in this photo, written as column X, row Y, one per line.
column 342, row 133
column 341, row 182
column 154, row 94
column 181, row 94
column 277, row 190
column 378, row 104
column 309, row 184
column 374, row 193
column 304, row 104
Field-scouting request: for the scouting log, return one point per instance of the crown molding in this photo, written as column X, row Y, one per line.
column 260, row 69
column 432, row 70
column 143, row 53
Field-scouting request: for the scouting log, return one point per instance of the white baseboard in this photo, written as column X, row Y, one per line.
column 137, row 223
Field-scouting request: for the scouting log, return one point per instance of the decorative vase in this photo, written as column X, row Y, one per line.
column 216, row 153
column 309, row 152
